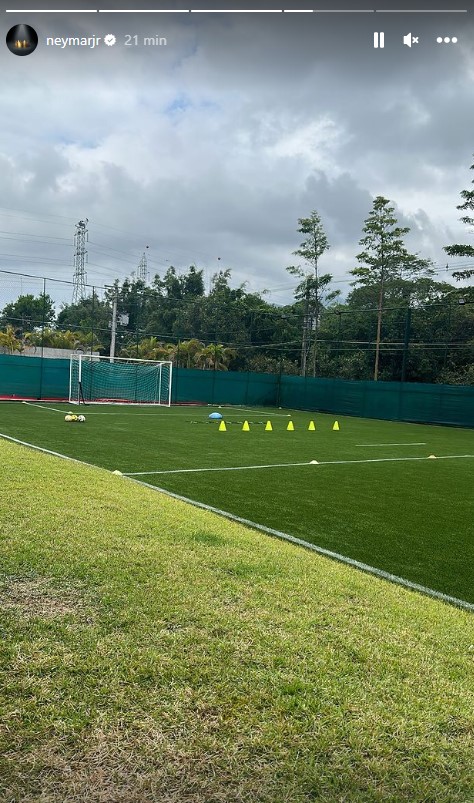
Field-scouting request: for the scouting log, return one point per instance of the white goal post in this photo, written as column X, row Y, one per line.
column 98, row 380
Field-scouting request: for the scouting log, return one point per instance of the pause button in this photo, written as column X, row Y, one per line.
column 379, row 39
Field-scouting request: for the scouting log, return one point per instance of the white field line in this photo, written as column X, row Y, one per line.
column 157, row 414
column 380, row 573
column 164, row 416
column 192, row 470
column 257, row 412
column 111, row 412
column 47, row 451
column 391, row 444
column 43, row 407
column 282, row 465
column 392, row 578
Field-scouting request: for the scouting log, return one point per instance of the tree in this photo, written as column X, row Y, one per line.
column 313, row 286
column 8, row 341
column 62, row 339
column 193, row 283
column 150, row 348
column 90, row 319
column 188, row 352
column 167, row 300
column 464, row 250
column 215, row 356
column 28, row 312
column 385, row 258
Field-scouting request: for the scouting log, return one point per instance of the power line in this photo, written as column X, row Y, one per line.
column 128, row 257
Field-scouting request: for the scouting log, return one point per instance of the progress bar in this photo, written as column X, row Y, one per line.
column 421, row 10
column 51, row 11
column 235, row 11
column 283, row 11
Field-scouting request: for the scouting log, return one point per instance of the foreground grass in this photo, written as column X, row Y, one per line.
column 154, row 652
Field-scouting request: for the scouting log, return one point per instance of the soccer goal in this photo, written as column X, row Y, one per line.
column 97, row 380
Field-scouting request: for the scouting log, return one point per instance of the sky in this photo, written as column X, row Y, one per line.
column 209, row 148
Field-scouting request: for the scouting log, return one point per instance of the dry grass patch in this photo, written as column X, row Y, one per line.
column 144, row 762
column 40, row 597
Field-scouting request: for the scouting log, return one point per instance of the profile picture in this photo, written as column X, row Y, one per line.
column 22, row 40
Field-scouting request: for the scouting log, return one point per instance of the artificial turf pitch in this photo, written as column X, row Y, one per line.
column 409, row 517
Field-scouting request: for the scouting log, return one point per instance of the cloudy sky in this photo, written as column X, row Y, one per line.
column 209, row 148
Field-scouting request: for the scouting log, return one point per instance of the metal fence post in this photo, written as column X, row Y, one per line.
column 40, row 394
column 406, row 344
column 92, row 319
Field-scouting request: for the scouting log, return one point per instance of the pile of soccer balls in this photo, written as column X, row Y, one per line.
column 73, row 417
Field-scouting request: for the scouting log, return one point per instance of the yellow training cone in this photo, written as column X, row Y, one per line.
column 222, row 427
column 431, row 457
column 290, row 426
column 335, row 426
column 311, row 427
column 245, row 427
column 268, row 427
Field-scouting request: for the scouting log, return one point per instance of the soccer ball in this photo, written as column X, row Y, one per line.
column 68, row 417
column 81, row 418
column 74, row 417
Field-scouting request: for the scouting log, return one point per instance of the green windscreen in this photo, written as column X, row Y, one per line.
column 37, row 378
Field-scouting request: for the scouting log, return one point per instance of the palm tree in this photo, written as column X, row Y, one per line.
column 8, row 341
column 58, row 339
column 189, row 351
column 150, row 348
column 215, row 356
column 64, row 340
column 90, row 341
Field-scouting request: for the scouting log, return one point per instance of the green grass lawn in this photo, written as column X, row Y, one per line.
column 152, row 651
column 412, row 518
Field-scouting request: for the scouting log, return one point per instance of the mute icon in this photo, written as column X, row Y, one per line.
column 410, row 40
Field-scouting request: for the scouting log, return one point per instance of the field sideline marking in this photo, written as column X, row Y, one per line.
column 281, row 465
column 355, row 564
column 116, row 412
column 43, row 407
column 390, row 444
column 47, row 451
column 392, row 578
column 191, row 470
column 167, row 415
column 257, row 412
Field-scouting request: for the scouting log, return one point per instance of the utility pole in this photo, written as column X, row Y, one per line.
column 80, row 258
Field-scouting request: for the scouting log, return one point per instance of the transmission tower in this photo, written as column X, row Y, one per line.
column 142, row 270
column 80, row 258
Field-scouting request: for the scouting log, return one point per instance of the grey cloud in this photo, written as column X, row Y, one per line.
column 218, row 144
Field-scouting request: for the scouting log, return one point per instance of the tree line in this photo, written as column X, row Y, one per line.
column 397, row 323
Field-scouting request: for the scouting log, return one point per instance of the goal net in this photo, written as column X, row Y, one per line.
column 97, row 380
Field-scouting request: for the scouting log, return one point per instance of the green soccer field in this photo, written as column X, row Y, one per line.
column 374, row 494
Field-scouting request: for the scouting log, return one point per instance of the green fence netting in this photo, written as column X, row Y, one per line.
column 33, row 377
column 38, row 378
